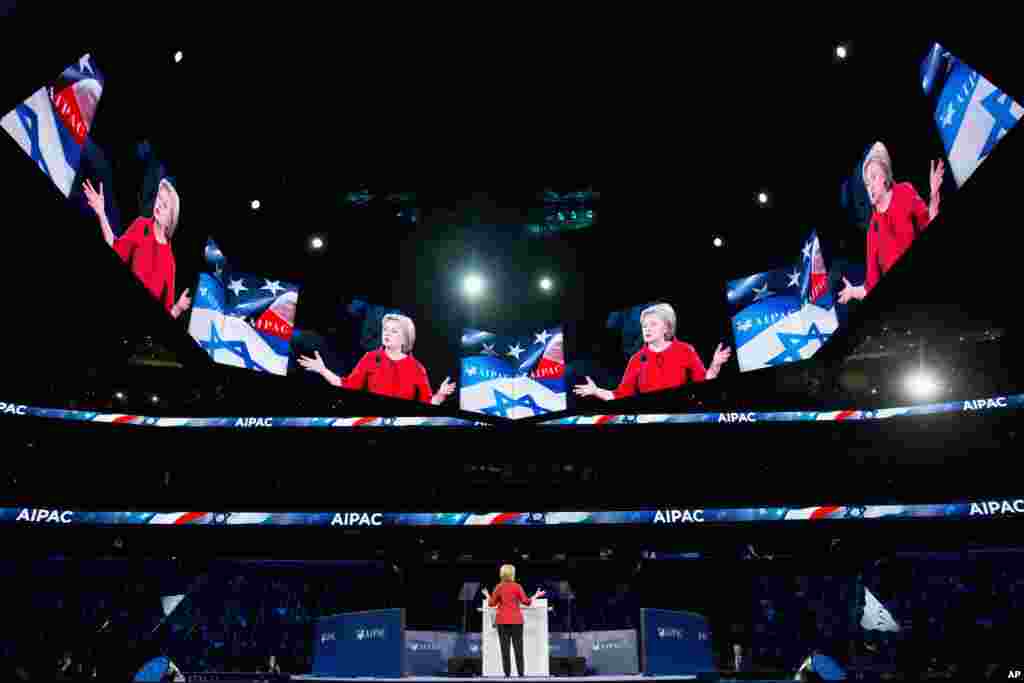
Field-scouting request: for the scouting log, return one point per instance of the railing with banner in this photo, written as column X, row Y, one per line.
column 982, row 405
column 666, row 517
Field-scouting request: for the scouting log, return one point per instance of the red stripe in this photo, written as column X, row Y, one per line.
column 505, row 517
column 604, row 419
column 363, row 421
column 124, row 419
column 844, row 414
column 189, row 517
column 823, row 512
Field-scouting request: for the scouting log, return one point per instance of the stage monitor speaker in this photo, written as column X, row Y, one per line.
column 466, row 666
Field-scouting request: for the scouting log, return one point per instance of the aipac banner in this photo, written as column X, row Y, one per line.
column 610, row 653
column 247, row 323
column 783, row 316
column 513, row 376
column 358, row 644
column 51, row 126
column 675, row 643
column 971, row 113
column 671, row 517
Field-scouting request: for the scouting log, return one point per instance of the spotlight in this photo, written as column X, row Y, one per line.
column 473, row 285
column 717, row 241
column 546, row 284
column 154, row 398
column 317, row 243
column 762, row 198
column 255, row 204
column 922, row 384
column 178, row 56
column 119, row 396
column 841, row 52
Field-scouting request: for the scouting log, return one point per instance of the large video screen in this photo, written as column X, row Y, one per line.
column 903, row 172
column 369, row 347
column 645, row 349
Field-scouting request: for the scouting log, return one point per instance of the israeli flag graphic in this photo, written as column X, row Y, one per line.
column 513, row 376
column 51, row 126
column 785, row 315
column 972, row 114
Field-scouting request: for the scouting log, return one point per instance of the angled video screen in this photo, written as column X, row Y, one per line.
column 645, row 349
column 903, row 171
column 364, row 346
column 513, row 375
column 783, row 315
column 243, row 320
column 85, row 140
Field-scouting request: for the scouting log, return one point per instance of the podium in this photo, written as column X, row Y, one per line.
column 535, row 641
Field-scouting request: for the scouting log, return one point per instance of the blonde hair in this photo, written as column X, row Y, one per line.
column 878, row 154
column 172, row 224
column 407, row 326
column 507, row 572
column 667, row 315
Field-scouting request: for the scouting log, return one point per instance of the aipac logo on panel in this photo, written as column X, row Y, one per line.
column 679, row 633
column 601, row 646
column 363, row 634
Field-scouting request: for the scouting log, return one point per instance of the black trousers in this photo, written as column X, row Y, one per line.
column 511, row 634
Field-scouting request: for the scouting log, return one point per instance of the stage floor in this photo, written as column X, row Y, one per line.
column 547, row 679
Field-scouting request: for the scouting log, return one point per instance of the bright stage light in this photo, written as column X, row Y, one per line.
column 546, row 284
column 473, row 285
column 717, row 241
column 921, row 384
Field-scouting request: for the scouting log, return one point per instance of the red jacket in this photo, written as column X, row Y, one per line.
column 378, row 374
column 891, row 232
column 507, row 597
column 152, row 262
column 672, row 367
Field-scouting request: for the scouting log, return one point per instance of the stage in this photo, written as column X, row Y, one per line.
column 633, row 678
column 547, row 679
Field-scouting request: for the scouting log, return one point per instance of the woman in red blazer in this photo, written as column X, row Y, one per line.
column 507, row 597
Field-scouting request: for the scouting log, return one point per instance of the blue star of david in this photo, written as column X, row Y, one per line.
column 388, row 421
column 238, row 348
column 1004, row 118
column 629, row 419
column 794, row 343
column 503, row 403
